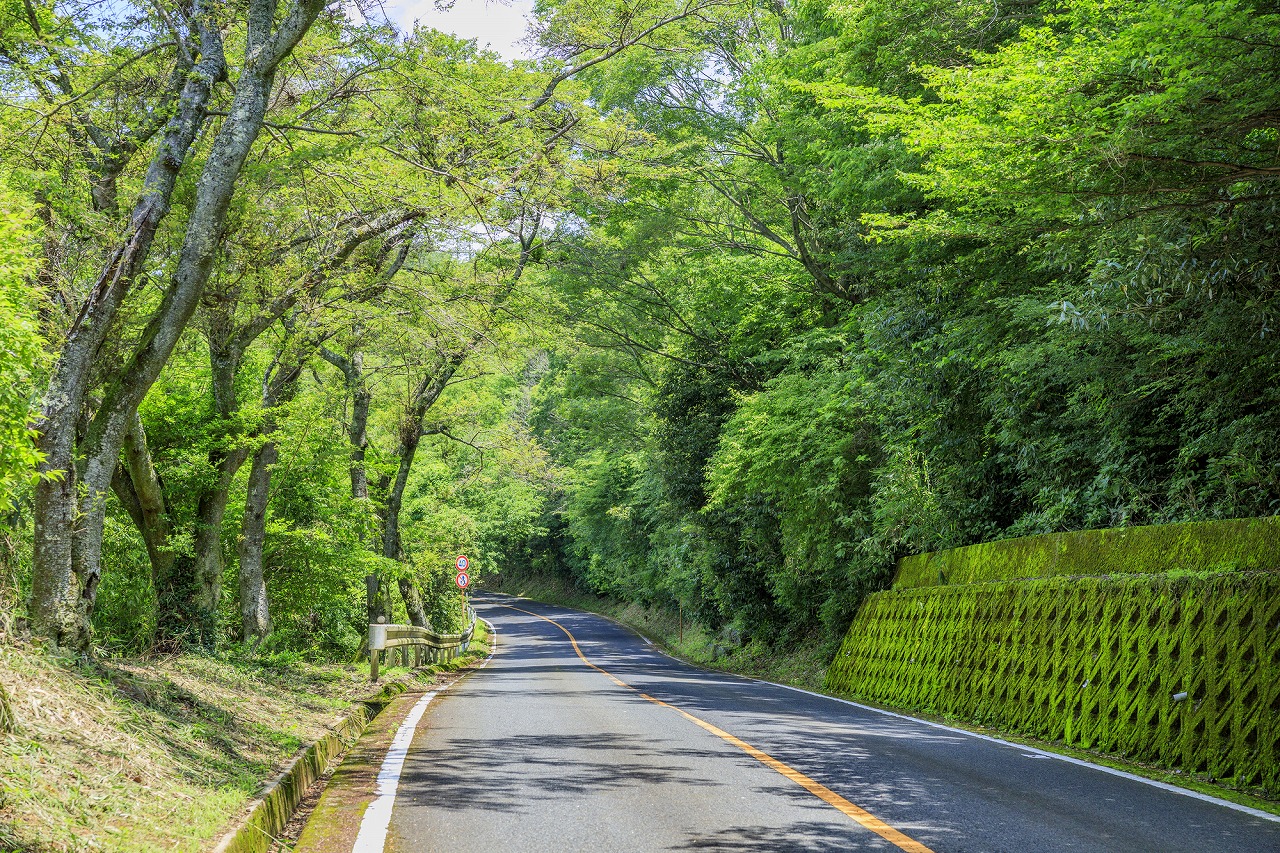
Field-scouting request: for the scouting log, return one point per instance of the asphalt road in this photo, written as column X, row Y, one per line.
column 541, row 752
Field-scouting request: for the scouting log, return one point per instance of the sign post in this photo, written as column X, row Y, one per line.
column 463, row 580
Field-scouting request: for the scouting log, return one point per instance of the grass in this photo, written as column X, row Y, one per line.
column 146, row 755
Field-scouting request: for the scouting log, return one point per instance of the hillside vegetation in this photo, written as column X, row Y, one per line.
column 715, row 307
column 145, row 755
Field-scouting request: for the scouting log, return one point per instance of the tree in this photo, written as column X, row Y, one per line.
column 69, row 509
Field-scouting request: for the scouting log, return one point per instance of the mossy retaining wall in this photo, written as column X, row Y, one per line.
column 1092, row 662
column 1236, row 545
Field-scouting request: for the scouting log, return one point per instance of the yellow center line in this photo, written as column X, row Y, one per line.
column 860, row 815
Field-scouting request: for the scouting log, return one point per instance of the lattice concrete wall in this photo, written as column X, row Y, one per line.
column 1093, row 662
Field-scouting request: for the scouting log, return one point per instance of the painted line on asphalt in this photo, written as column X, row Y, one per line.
column 1038, row 753
column 372, row 837
column 377, row 817
column 858, row 814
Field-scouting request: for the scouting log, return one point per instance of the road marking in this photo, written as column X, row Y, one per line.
column 372, row 837
column 858, row 814
column 1040, row 753
column 1043, row 753
column 377, row 817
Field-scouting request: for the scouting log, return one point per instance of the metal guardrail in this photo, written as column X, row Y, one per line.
column 427, row 646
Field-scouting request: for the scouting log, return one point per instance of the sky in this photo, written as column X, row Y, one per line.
column 496, row 24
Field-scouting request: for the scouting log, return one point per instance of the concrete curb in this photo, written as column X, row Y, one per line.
column 269, row 814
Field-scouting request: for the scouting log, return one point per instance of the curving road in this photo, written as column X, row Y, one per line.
column 543, row 752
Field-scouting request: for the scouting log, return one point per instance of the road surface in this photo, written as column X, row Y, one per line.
column 542, row 752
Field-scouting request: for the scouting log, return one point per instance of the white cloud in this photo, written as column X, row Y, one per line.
column 499, row 25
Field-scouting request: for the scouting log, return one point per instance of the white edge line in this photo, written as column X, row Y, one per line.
column 1044, row 753
column 372, row 837
column 377, row 817
column 1155, row 783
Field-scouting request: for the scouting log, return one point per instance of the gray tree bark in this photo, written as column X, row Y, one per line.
column 62, row 585
column 69, row 512
column 140, row 491
column 279, row 386
column 255, row 611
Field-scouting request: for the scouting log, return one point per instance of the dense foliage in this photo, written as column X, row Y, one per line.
column 915, row 275
column 716, row 305
column 20, row 346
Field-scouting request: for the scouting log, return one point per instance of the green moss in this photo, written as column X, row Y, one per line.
column 1245, row 544
column 1093, row 662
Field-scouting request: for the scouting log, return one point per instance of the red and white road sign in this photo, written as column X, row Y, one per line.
column 462, row 562
column 462, row 580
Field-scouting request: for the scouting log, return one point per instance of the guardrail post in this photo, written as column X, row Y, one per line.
column 377, row 642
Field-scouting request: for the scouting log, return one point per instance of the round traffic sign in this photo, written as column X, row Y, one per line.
column 462, row 580
column 462, row 562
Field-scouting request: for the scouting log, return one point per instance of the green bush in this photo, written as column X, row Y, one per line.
column 20, row 347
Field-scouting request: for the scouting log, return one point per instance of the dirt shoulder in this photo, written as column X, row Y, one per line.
column 329, row 816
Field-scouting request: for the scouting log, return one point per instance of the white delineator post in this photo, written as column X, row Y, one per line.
column 377, row 642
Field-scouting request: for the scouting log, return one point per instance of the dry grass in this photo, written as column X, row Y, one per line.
column 150, row 756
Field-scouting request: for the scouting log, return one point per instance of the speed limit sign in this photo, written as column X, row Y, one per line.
column 462, row 562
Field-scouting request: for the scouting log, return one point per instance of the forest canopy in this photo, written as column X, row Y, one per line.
column 719, row 305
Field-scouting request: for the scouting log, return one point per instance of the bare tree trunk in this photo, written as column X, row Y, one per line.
column 279, row 386
column 190, row 594
column 140, row 491
column 255, row 614
column 413, row 604
column 352, row 367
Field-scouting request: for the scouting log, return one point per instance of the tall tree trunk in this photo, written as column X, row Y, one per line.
column 352, row 367
column 63, row 586
column 413, row 603
column 67, row 559
column 140, row 491
column 190, row 593
column 255, row 613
